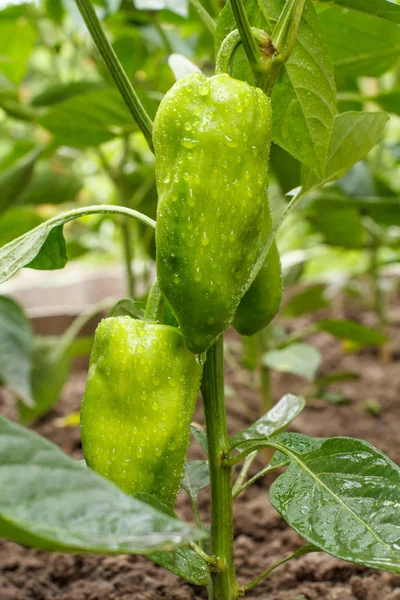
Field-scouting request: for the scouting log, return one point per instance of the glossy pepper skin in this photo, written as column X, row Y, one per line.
column 263, row 299
column 137, row 407
column 211, row 140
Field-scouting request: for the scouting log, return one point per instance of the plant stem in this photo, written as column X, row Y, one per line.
column 284, row 39
column 204, row 16
column 163, row 34
column 246, row 35
column 77, row 324
column 233, row 40
column 300, row 552
column 116, row 70
column 224, row 582
column 128, row 255
column 154, row 303
column 379, row 301
column 240, row 481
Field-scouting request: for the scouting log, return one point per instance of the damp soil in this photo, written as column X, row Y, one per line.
column 261, row 535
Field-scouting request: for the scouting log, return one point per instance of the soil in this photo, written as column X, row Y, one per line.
column 262, row 537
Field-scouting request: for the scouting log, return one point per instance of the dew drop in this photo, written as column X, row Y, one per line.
column 201, row 358
column 231, row 142
column 189, row 143
column 204, row 89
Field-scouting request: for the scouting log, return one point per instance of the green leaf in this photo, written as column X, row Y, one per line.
column 17, row 42
column 304, row 96
column 384, row 9
column 15, row 178
column 354, row 135
column 44, row 246
column 343, row 497
column 51, row 183
column 339, row 226
column 300, row 359
column 15, row 350
column 54, row 503
column 127, row 306
column 272, row 422
column 196, row 478
column 58, row 92
column 359, row 44
column 308, row 300
column 49, row 375
column 185, row 563
column 351, row 330
column 88, row 119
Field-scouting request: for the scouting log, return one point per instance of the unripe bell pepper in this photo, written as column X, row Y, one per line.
column 138, row 405
column 211, row 140
column 263, row 299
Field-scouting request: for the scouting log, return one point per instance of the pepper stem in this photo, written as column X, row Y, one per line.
column 265, row 48
column 116, row 70
column 224, row 584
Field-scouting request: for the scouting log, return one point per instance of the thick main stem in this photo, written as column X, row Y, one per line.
column 224, row 584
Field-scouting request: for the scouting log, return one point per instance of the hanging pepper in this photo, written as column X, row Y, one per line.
column 211, row 140
column 263, row 299
column 138, row 405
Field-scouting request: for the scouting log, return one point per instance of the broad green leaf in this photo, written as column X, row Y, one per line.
column 44, row 246
column 351, row 330
column 358, row 43
column 354, row 135
column 304, row 96
column 50, row 372
column 342, row 497
column 17, row 41
column 308, row 300
column 17, row 221
column 339, row 226
column 196, row 478
column 15, row 350
column 185, row 563
column 272, row 422
column 88, row 119
column 51, row 183
column 58, row 92
column 14, row 179
column 385, row 9
column 54, row 503
column 300, row 359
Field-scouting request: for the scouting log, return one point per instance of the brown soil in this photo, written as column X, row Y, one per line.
column 261, row 535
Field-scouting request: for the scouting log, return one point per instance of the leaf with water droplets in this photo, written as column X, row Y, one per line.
column 77, row 510
column 342, row 495
column 16, row 350
column 271, row 423
column 44, row 247
column 304, row 96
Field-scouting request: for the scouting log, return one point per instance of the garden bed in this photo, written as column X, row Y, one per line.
column 261, row 535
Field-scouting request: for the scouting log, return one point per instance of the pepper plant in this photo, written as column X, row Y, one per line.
column 215, row 252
